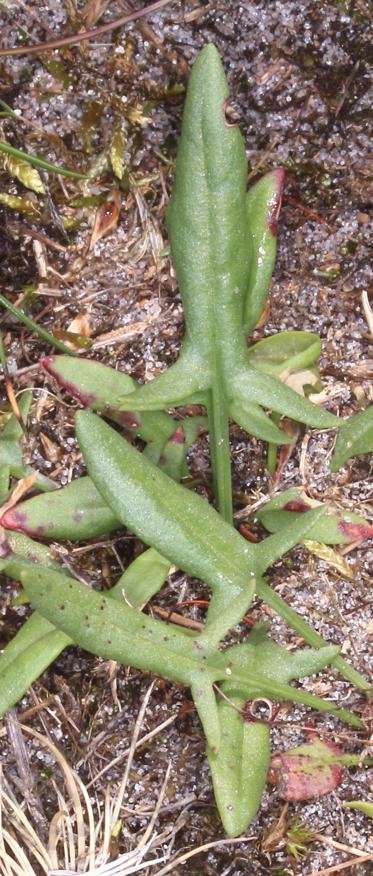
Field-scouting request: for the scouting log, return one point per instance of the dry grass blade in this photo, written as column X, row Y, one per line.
column 78, row 842
column 86, row 35
column 367, row 311
column 20, row 836
column 337, row 868
column 71, row 785
column 142, row 741
column 135, row 736
column 197, row 851
column 22, row 487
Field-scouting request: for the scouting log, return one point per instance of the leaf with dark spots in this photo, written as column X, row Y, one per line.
column 310, row 770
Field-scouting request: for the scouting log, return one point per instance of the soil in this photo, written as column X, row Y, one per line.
column 301, row 87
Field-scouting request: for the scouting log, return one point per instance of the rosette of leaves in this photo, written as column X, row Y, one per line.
column 223, row 290
column 214, row 226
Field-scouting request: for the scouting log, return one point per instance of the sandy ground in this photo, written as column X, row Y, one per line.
column 301, row 89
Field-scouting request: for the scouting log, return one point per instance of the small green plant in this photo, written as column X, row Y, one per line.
column 223, row 243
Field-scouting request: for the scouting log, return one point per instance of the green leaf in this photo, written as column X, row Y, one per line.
column 239, row 768
column 37, row 643
column 76, row 512
column 29, row 550
column 341, row 528
column 119, row 632
column 263, row 206
column 184, row 528
column 361, row 805
column 219, row 275
column 285, row 352
column 4, row 482
column 265, row 659
column 26, row 657
column 99, row 387
column 143, row 578
column 10, row 447
column 180, row 524
column 356, row 437
column 252, row 418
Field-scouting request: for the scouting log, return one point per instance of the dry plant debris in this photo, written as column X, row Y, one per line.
column 290, row 82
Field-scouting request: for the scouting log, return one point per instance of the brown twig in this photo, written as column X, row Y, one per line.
column 288, row 199
column 337, row 868
column 86, row 34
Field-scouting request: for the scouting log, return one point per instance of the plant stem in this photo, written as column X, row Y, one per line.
column 35, row 327
column 38, row 162
column 8, row 109
column 218, row 424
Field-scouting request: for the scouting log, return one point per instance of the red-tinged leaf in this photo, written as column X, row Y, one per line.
column 355, row 531
column 310, row 770
column 275, row 204
column 295, row 505
column 178, row 436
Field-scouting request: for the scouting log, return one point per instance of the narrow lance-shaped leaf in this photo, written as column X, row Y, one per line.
column 177, row 522
column 239, row 768
column 341, row 528
column 285, row 352
column 37, row 643
column 210, row 237
column 356, row 437
column 121, row 633
column 77, row 512
column 97, row 386
column 186, row 529
column 263, row 207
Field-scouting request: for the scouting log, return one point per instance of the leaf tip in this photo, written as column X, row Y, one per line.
column 274, row 205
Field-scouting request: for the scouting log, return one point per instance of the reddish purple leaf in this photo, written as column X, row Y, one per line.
column 355, row 531
column 310, row 770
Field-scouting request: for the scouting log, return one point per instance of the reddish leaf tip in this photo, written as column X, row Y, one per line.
column 85, row 398
column 14, row 520
column 178, row 436
column 296, row 505
column 355, row 531
column 46, row 361
column 276, row 200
